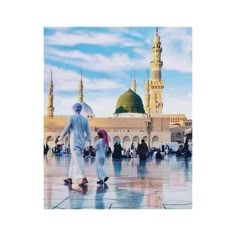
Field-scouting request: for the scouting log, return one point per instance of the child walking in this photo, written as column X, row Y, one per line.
column 101, row 147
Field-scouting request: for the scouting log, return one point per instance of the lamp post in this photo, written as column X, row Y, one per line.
column 149, row 129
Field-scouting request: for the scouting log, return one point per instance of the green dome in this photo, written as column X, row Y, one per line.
column 129, row 102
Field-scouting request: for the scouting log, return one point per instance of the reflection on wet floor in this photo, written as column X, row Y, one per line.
column 133, row 184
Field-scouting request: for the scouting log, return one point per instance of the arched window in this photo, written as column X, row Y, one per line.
column 179, row 136
column 155, row 141
column 136, row 140
column 145, row 138
column 116, row 138
column 126, row 142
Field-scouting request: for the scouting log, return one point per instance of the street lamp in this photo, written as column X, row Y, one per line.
column 149, row 129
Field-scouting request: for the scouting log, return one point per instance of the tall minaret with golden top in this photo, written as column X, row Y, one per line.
column 50, row 98
column 156, row 84
column 147, row 96
column 134, row 85
column 81, row 94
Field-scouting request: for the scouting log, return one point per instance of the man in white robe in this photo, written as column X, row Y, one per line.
column 78, row 126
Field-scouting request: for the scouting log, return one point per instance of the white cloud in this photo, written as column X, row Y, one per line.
column 62, row 105
column 126, row 31
column 144, row 53
column 101, row 84
column 103, row 106
column 78, row 37
column 72, row 54
column 66, row 80
column 177, row 105
column 177, row 49
column 62, row 79
column 177, row 62
column 98, row 62
column 59, row 29
column 176, row 54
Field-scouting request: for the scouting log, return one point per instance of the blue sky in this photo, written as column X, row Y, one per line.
column 108, row 58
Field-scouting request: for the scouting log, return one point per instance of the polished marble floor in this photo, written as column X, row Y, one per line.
column 163, row 184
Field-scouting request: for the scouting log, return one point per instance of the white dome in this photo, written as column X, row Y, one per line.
column 86, row 110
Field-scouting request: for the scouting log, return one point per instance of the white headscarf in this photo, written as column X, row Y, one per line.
column 77, row 107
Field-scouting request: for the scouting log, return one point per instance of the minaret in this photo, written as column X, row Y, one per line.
column 81, row 90
column 133, row 85
column 147, row 96
column 50, row 98
column 156, row 84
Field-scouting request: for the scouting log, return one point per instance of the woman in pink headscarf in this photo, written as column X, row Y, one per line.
column 101, row 147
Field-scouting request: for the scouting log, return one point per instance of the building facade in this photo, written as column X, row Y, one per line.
column 127, row 130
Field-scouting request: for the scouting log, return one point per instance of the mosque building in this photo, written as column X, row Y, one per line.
column 132, row 120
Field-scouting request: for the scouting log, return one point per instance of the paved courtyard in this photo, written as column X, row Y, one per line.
column 163, row 184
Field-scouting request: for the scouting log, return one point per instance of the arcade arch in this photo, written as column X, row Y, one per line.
column 116, row 138
column 155, row 141
column 145, row 139
column 179, row 137
column 126, row 142
column 136, row 140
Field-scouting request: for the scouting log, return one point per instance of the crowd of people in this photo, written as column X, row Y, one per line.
column 184, row 151
column 141, row 150
column 119, row 152
column 57, row 150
